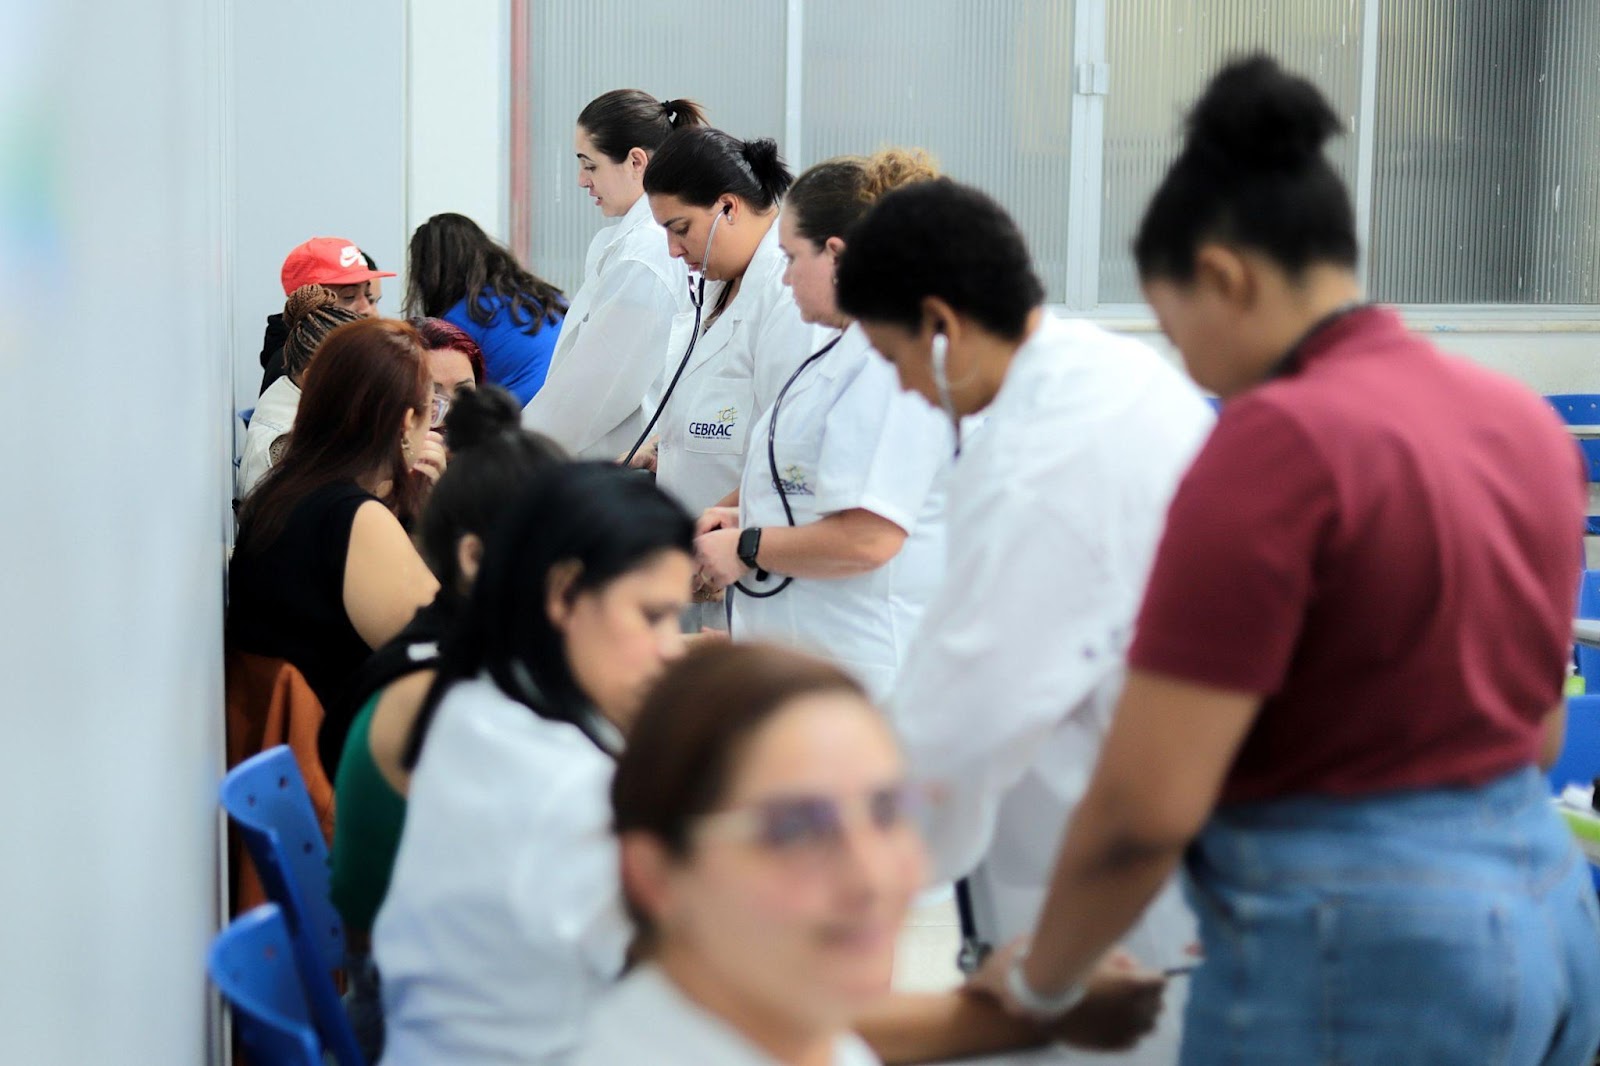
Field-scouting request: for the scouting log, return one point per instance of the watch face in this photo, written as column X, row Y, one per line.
column 749, row 544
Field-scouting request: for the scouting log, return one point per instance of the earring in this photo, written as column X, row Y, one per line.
column 405, row 447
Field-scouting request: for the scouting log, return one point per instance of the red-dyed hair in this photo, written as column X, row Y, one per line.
column 438, row 335
column 356, row 390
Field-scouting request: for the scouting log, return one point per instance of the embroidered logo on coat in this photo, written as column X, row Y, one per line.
column 792, row 479
column 722, row 429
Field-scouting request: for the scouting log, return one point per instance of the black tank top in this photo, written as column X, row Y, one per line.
column 286, row 597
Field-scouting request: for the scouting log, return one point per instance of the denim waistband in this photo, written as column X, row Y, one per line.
column 1504, row 833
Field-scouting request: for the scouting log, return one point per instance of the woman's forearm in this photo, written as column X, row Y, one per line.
column 838, row 545
column 1102, row 882
column 939, row 1026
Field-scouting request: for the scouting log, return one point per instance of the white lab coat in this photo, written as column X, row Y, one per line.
column 1056, row 507
column 848, row 437
column 647, row 1020
column 272, row 418
column 604, row 376
column 738, row 366
column 504, row 922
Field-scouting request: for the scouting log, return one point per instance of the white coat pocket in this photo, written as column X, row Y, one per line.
column 796, row 473
column 717, row 420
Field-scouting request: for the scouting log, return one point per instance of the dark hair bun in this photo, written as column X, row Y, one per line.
column 303, row 301
column 1257, row 117
column 480, row 415
column 762, row 155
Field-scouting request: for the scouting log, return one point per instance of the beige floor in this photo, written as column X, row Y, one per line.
column 925, row 958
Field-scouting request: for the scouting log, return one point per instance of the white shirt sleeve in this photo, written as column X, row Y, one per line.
column 569, row 884
column 1024, row 629
column 881, row 448
column 603, row 378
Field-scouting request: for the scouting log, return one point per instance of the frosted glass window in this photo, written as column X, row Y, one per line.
column 580, row 50
column 984, row 87
column 1486, row 183
column 1162, row 52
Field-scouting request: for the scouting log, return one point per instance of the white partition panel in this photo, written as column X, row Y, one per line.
column 114, row 257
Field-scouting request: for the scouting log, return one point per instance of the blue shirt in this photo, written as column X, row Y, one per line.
column 512, row 358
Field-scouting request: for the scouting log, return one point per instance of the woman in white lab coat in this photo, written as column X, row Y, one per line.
column 836, row 533
column 717, row 197
column 503, row 921
column 769, row 854
column 1055, row 509
column 604, row 376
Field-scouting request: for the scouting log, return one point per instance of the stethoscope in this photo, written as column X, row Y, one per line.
column 697, row 296
column 777, row 480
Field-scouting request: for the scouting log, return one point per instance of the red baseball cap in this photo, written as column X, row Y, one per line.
column 327, row 261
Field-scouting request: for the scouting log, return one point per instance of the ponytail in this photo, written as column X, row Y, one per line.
column 700, row 164
column 624, row 119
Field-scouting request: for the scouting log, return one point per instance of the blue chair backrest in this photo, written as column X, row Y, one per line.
column 1581, row 409
column 1580, row 751
column 1589, row 607
column 253, row 964
column 1215, row 402
column 266, row 798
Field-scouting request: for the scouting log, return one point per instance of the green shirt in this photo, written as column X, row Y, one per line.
column 368, row 816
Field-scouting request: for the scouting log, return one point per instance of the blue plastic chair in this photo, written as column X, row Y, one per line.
column 1583, row 409
column 253, row 964
column 1580, row 750
column 1589, row 607
column 266, row 798
column 1215, row 402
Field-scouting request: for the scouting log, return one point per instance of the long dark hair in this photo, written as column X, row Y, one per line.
column 1252, row 173
column 492, row 458
column 624, row 119
column 700, row 164
column 363, row 379
column 451, row 259
column 609, row 521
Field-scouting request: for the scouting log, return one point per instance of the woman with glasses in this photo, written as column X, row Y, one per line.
column 455, row 362
column 769, row 853
column 323, row 570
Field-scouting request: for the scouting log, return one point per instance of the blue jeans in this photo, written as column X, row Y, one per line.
column 1436, row 927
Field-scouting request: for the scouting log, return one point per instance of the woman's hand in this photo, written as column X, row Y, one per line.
column 645, row 457
column 717, row 554
column 430, row 459
column 1120, row 1004
column 717, row 518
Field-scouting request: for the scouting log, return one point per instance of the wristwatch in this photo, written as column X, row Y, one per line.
column 749, row 546
column 1040, row 1008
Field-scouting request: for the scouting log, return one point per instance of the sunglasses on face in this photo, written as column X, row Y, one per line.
column 815, row 825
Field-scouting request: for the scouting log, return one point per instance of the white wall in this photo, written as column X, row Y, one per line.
column 320, row 150
column 114, row 261
column 459, row 58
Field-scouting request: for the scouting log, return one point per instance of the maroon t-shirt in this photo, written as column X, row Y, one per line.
column 1385, row 544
